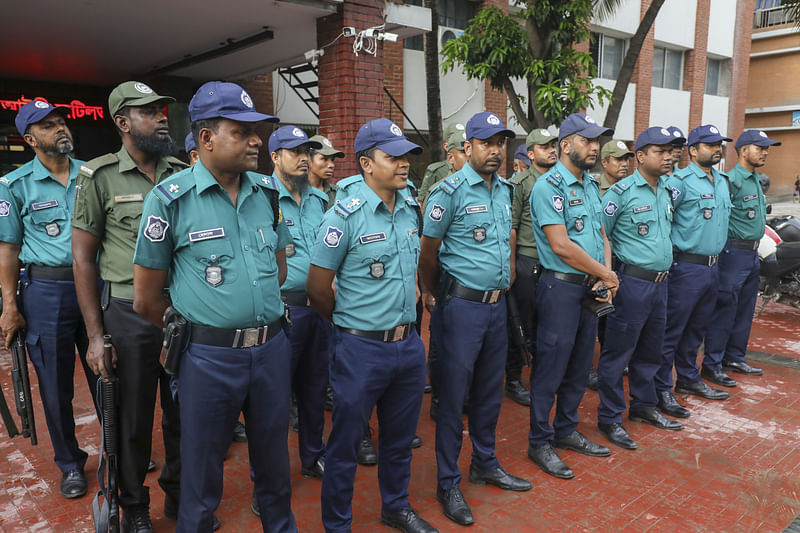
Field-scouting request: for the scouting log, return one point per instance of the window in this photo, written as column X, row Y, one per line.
column 667, row 68
column 718, row 77
column 452, row 13
column 608, row 53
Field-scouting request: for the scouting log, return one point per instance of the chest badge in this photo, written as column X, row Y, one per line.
column 290, row 250
column 751, row 214
column 644, row 229
column 579, row 224
column 377, row 269
column 214, row 275
column 52, row 229
column 479, row 234
column 707, row 213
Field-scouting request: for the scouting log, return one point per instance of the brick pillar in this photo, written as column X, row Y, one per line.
column 393, row 79
column 350, row 87
column 260, row 90
column 694, row 69
column 740, row 67
column 497, row 101
column 643, row 78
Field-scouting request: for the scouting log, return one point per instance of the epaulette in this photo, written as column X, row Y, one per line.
column 18, row 173
column 90, row 167
column 505, row 181
column 174, row 187
column 450, row 183
column 434, row 167
column 554, row 178
column 619, row 187
column 411, row 200
column 411, row 184
column 176, row 162
column 267, row 182
column 345, row 208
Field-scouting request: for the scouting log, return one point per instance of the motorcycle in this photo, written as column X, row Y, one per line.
column 779, row 252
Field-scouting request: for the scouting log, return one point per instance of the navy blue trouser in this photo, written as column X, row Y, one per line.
column 310, row 338
column 55, row 329
column 691, row 296
column 365, row 373
column 215, row 385
column 565, row 338
column 729, row 332
column 472, row 342
column 634, row 336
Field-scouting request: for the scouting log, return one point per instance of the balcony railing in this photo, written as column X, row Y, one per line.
column 773, row 16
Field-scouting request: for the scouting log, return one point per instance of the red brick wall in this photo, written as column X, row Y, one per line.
column 740, row 67
column 260, row 90
column 694, row 69
column 393, row 79
column 497, row 101
column 643, row 78
column 350, row 87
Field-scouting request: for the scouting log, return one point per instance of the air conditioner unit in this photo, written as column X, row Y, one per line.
column 447, row 34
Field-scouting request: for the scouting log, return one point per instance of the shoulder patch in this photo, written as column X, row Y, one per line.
column 267, row 182
column 90, row 167
column 553, row 178
column 619, row 187
column 173, row 187
column 450, row 184
column 345, row 208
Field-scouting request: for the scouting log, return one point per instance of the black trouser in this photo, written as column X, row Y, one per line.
column 138, row 345
column 524, row 290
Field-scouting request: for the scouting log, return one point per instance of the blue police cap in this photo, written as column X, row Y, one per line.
column 385, row 135
column 290, row 137
column 521, row 153
column 219, row 99
column 757, row 137
column 655, row 135
column 706, row 133
column 679, row 139
column 33, row 112
column 486, row 124
column 189, row 143
column 583, row 125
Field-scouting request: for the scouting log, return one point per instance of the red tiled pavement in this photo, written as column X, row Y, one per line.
column 734, row 468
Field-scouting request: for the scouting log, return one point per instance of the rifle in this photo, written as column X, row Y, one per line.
column 8, row 420
column 22, row 387
column 106, row 518
column 518, row 337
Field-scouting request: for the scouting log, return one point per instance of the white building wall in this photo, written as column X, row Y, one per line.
column 624, row 20
column 288, row 106
column 715, row 111
column 625, row 122
column 669, row 107
column 675, row 23
column 721, row 26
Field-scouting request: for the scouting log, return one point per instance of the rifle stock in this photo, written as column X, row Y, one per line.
column 518, row 337
column 109, row 392
column 22, row 387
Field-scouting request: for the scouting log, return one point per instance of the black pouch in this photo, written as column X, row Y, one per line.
column 176, row 336
column 446, row 281
column 599, row 309
column 105, row 296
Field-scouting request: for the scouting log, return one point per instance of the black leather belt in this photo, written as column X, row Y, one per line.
column 706, row 260
column 397, row 333
column 578, row 279
column 234, row 338
column 643, row 273
column 744, row 245
column 52, row 273
column 484, row 297
column 295, row 298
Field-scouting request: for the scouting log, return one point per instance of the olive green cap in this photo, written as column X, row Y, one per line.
column 615, row 148
column 133, row 93
column 456, row 140
column 539, row 136
column 327, row 147
column 449, row 130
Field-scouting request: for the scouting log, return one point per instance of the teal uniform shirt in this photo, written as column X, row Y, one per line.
column 638, row 222
column 749, row 209
column 345, row 188
column 303, row 222
column 474, row 223
column 35, row 213
column 559, row 198
column 221, row 258
column 702, row 209
column 375, row 255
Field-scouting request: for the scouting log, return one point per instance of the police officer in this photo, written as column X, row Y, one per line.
column 321, row 164
column 35, row 209
column 637, row 217
column 214, row 232
column 677, row 148
column 541, row 147
column 467, row 228
column 616, row 159
column 191, row 149
column 521, row 161
column 370, row 243
column 702, row 205
column 576, row 259
column 302, row 206
column 108, row 208
column 438, row 170
column 739, row 267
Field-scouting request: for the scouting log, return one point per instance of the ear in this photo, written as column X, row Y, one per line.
column 30, row 140
column 366, row 164
column 274, row 157
column 468, row 149
column 564, row 145
column 122, row 123
column 206, row 139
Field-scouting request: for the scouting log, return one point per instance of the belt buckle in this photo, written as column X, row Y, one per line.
column 712, row 260
column 399, row 332
column 662, row 276
column 493, row 296
column 249, row 337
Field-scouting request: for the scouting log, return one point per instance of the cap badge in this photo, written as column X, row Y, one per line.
column 297, row 132
column 544, row 132
column 396, row 130
column 676, row 134
column 246, row 100
column 44, row 105
column 326, row 142
column 459, row 126
column 664, row 131
column 493, row 120
column 142, row 88
column 590, row 120
column 621, row 145
column 762, row 134
column 712, row 129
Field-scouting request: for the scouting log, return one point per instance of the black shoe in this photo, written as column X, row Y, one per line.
column 137, row 520
column 717, row 376
column 151, row 466
column 616, row 434
column 239, row 432
column 428, row 388
column 699, row 388
column 434, row 411
column 517, row 392
column 591, row 384
column 416, row 442
column 654, row 418
column 547, row 459
column 454, row 505
column 315, row 470
column 578, row 443
column 329, row 399
column 499, row 478
column 406, row 520
column 254, row 505
column 171, row 511
column 366, row 450
column 668, row 405
column 73, row 484
column 741, row 367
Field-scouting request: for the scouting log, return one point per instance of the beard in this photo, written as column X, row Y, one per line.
column 298, row 182
column 579, row 162
column 56, row 147
column 545, row 163
column 156, row 145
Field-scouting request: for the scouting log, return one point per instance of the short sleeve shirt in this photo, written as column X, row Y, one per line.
column 749, row 207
